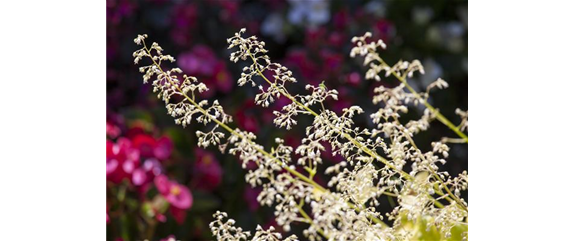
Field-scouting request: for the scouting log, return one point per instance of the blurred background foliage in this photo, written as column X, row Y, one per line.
column 310, row 37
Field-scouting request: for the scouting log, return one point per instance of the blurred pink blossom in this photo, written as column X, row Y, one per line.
column 176, row 194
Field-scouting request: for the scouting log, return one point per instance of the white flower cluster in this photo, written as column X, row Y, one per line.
column 171, row 89
column 224, row 229
column 375, row 159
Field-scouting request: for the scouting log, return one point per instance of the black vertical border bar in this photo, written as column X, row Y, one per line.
column 469, row 167
column 469, row 125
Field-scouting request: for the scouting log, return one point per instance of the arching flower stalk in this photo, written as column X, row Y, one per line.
column 351, row 142
column 348, row 211
column 403, row 70
column 288, row 190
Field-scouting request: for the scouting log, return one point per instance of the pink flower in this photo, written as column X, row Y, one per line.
column 112, row 130
column 163, row 148
column 176, row 194
column 199, row 61
column 121, row 160
column 111, row 162
column 139, row 177
column 207, row 170
column 354, row 79
column 149, row 147
column 168, row 238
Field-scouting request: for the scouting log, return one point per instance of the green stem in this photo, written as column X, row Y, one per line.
column 309, row 219
column 456, row 199
column 347, row 136
column 438, row 115
column 226, row 127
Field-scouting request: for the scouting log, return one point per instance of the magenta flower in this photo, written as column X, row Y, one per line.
column 145, row 174
column 163, row 148
column 149, row 147
column 176, row 194
column 145, row 144
column 168, row 238
column 112, row 130
column 121, row 160
column 354, row 79
column 139, row 177
column 199, row 61
column 111, row 162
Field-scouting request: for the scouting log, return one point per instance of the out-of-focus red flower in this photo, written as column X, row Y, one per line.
column 111, row 162
column 207, row 170
column 145, row 144
column 176, row 194
column 121, row 160
column 152, row 167
column 112, row 130
column 134, row 131
column 199, row 61
column 202, row 62
column 178, row 214
column 298, row 60
column 163, row 148
column 149, row 147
